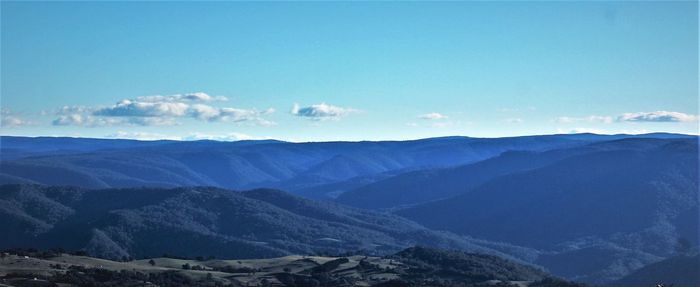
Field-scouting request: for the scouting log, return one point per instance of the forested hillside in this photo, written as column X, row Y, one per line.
column 625, row 207
column 140, row 222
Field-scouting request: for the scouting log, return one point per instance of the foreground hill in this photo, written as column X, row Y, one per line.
column 96, row 163
column 147, row 222
column 594, row 215
column 415, row 266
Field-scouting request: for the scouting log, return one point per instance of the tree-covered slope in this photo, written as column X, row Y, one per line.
column 595, row 215
column 425, row 185
column 137, row 222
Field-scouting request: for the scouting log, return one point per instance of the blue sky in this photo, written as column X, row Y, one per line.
column 347, row 71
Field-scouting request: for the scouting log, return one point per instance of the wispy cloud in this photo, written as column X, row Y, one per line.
column 322, row 111
column 88, row 120
column 160, row 110
column 657, row 116
column 10, row 119
column 433, row 116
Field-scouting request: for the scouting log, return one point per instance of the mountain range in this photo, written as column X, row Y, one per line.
column 591, row 208
column 102, row 163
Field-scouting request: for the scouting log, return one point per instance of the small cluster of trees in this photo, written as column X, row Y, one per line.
column 187, row 266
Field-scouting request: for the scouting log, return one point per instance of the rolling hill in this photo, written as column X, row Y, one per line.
column 416, row 266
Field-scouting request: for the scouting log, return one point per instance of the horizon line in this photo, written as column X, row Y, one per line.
column 350, row 141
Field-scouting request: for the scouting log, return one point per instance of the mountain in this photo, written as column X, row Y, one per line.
column 586, row 207
column 17, row 147
column 677, row 271
column 425, row 185
column 100, row 163
column 146, row 222
column 416, row 266
column 432, row 184
column 594, row 215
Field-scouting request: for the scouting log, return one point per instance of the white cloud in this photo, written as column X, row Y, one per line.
column 160, row 110
column 88, row 120
column 68, row 110
column 213, row 114
column 322, row 111
column 204, row 112
column 10, row 119
column 134, row 108
column 71, row 119
column 657, row 116
column 432, row 116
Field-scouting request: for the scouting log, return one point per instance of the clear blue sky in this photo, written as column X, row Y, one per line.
column 357, row 71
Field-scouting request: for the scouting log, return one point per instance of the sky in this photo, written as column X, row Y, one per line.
column 322, row 71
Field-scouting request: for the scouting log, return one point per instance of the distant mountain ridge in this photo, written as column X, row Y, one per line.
column 104, row 163
column 430, row 184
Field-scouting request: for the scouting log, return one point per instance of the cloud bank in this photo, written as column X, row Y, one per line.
column 160, row 110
